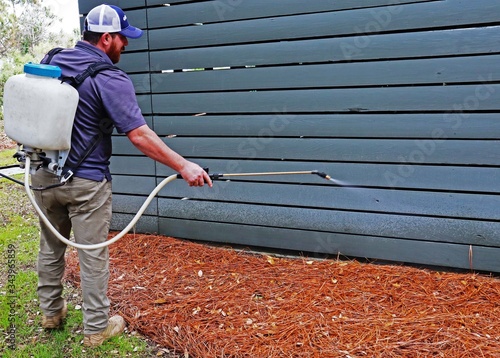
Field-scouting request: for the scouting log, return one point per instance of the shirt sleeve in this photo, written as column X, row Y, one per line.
column 119, row 101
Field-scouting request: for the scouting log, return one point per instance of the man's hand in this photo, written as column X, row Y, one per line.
column 194, row 175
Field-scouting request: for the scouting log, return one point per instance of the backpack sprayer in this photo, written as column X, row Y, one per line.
column 45, row 146
column 27, row 97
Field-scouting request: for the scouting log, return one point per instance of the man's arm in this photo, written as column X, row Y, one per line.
column 148, row 142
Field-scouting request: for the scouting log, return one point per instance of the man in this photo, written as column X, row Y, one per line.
column 83, row 205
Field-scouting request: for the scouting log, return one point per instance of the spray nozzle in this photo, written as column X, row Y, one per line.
column 322, row 174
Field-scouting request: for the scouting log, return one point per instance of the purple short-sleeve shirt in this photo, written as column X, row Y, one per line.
column 107, row 101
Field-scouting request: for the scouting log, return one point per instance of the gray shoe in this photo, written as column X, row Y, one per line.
column 116, row 325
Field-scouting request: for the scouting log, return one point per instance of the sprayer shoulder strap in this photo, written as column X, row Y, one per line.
column 91, row 71
column 52, row 53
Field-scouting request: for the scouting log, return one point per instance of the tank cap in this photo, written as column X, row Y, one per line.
column 42, row 70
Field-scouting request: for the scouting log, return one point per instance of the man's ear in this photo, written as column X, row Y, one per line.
column 106, row 39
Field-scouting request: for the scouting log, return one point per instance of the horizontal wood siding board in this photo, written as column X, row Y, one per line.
column 451, row 126
column 139, row 44
column 149, row 121
column 132, row 166
column 146, row 224
column 142, row 83
column 437, row 14
column 315, row 244
column 138, row 18
column 352, row 100
column 398, row 176
column 130, row 204
column 422, row 182
column 220, row 11
column 170, row 2
column 450, row 152
column 140, row 185
column 134, row 62
column 423, row 71
column 123, row 147
column 144, row 101
column 482, row 40
column 473, row 232
column 87, row 5
column 439, row 204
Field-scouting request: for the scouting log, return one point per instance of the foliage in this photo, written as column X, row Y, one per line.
column 24, row 24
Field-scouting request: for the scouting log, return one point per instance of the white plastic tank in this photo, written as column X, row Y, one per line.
column 39, row 109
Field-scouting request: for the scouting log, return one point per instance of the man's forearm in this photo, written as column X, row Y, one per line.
column 148, row 142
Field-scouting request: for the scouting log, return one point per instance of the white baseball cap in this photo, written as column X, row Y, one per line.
column 110, row 18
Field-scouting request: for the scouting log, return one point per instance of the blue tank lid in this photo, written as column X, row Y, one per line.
column 42, row 70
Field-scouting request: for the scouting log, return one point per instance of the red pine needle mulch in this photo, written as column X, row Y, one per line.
column 218, row 302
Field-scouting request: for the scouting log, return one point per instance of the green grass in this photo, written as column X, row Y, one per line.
column 6, row 157
column 18, row 298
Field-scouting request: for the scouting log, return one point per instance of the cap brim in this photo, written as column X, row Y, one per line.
column 131, row 32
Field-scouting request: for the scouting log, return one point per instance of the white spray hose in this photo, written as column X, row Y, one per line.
column 102, row 244
column 144, row 205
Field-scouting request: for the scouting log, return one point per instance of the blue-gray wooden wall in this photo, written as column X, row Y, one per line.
column 397, row 100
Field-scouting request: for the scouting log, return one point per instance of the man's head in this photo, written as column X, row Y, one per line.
column 107, row 27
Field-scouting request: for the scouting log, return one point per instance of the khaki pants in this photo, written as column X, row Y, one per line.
column 84, row 206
